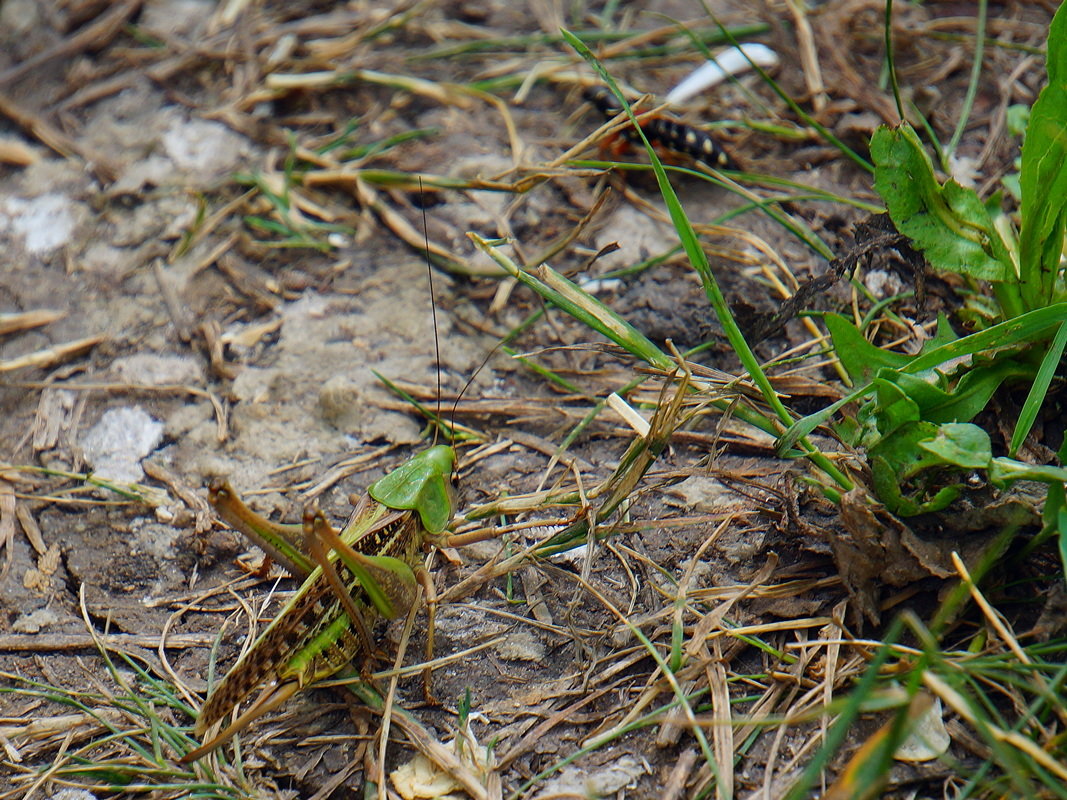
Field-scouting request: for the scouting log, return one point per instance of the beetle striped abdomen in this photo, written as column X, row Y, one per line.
column 665, row 131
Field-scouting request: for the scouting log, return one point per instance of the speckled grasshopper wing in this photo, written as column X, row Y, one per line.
column 372, row 571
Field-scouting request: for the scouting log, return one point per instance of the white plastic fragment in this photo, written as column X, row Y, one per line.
column 729, row 62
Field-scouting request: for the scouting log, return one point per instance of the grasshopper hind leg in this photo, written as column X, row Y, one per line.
column 270, row 698
column 316, row 533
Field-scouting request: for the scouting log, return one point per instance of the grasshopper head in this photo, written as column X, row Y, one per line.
column 422, row 484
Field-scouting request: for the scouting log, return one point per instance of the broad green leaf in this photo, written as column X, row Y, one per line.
column 897, row 464
column 902, row 452
column 893, row 407
column 901, row 398
column 887, row 487
column 948, row 223
column 848, row 430
column 860, row 358
column 1017, row 118
column 1028, row 327
column 963, row 401
column 899, row 461
column 973, row 391
column 422, row 484
column 942, row 335
column 919, row 389
column 961, row 445
column 1043, row 176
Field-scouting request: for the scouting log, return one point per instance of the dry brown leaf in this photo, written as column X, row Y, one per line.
column 875, row 548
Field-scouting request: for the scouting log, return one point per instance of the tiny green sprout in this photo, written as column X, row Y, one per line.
column 464, row 709
column 422, row 484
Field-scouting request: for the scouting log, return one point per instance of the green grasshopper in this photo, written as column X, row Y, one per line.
column 372, row 571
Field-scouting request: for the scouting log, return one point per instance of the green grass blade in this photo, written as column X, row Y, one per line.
column 972, row 84
column 1061, row 527
column 803, row 115
column 569, row 297
column 840, row 728
column 887, row 32
column 1039, row 389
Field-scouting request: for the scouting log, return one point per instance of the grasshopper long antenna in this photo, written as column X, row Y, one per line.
column 470, row 380
column 433, row 314
column 437, row 338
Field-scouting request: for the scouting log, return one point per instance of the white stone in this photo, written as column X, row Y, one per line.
column 118, row 442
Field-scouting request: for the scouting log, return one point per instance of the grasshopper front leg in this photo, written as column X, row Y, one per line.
column 283, row 543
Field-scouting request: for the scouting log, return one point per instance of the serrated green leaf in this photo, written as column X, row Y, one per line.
column 948, row 223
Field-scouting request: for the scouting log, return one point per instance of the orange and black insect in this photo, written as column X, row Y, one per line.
column 665, row 131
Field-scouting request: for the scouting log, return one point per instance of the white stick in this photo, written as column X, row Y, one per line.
column 729, row 62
